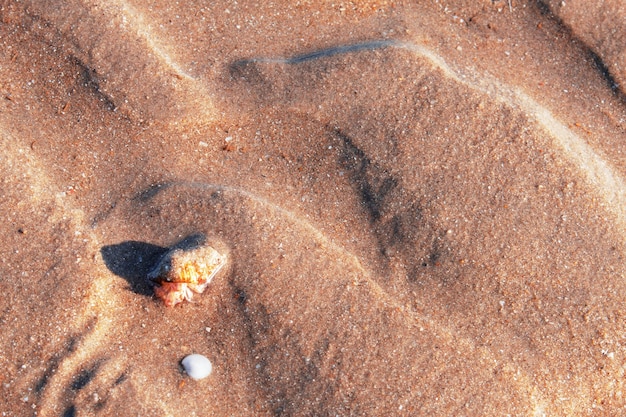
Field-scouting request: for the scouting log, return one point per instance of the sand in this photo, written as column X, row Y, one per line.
column 423, row 207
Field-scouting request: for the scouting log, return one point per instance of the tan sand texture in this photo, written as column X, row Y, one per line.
column 600, row 25
column 422, row 207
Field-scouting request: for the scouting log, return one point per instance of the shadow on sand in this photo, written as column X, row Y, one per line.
column 133, row 260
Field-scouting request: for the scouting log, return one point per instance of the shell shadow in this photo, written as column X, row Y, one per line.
column 133, row 260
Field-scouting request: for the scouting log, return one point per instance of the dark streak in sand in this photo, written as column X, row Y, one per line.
column 320, row 53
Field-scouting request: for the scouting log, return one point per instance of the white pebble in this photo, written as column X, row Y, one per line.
column 197, row 366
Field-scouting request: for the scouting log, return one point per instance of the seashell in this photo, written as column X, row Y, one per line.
column 197, row 366
column 182, row 272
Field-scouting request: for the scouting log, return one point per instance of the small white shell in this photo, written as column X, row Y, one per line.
column 197, row 366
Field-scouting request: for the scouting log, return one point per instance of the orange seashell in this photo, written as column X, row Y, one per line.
column 183, row 272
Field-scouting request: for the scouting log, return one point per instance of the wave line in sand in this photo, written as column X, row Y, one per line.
column 131, row 16
column 600, row 175
column 603, row 178
column 410, row 318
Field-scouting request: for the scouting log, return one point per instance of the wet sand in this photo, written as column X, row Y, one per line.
column 423, row 207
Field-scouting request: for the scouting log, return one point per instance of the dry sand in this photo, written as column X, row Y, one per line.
column 424, row 207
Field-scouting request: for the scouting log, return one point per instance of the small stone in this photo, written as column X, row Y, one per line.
column 197, row 366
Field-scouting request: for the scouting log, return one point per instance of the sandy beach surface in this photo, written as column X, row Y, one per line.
column 423, row 205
